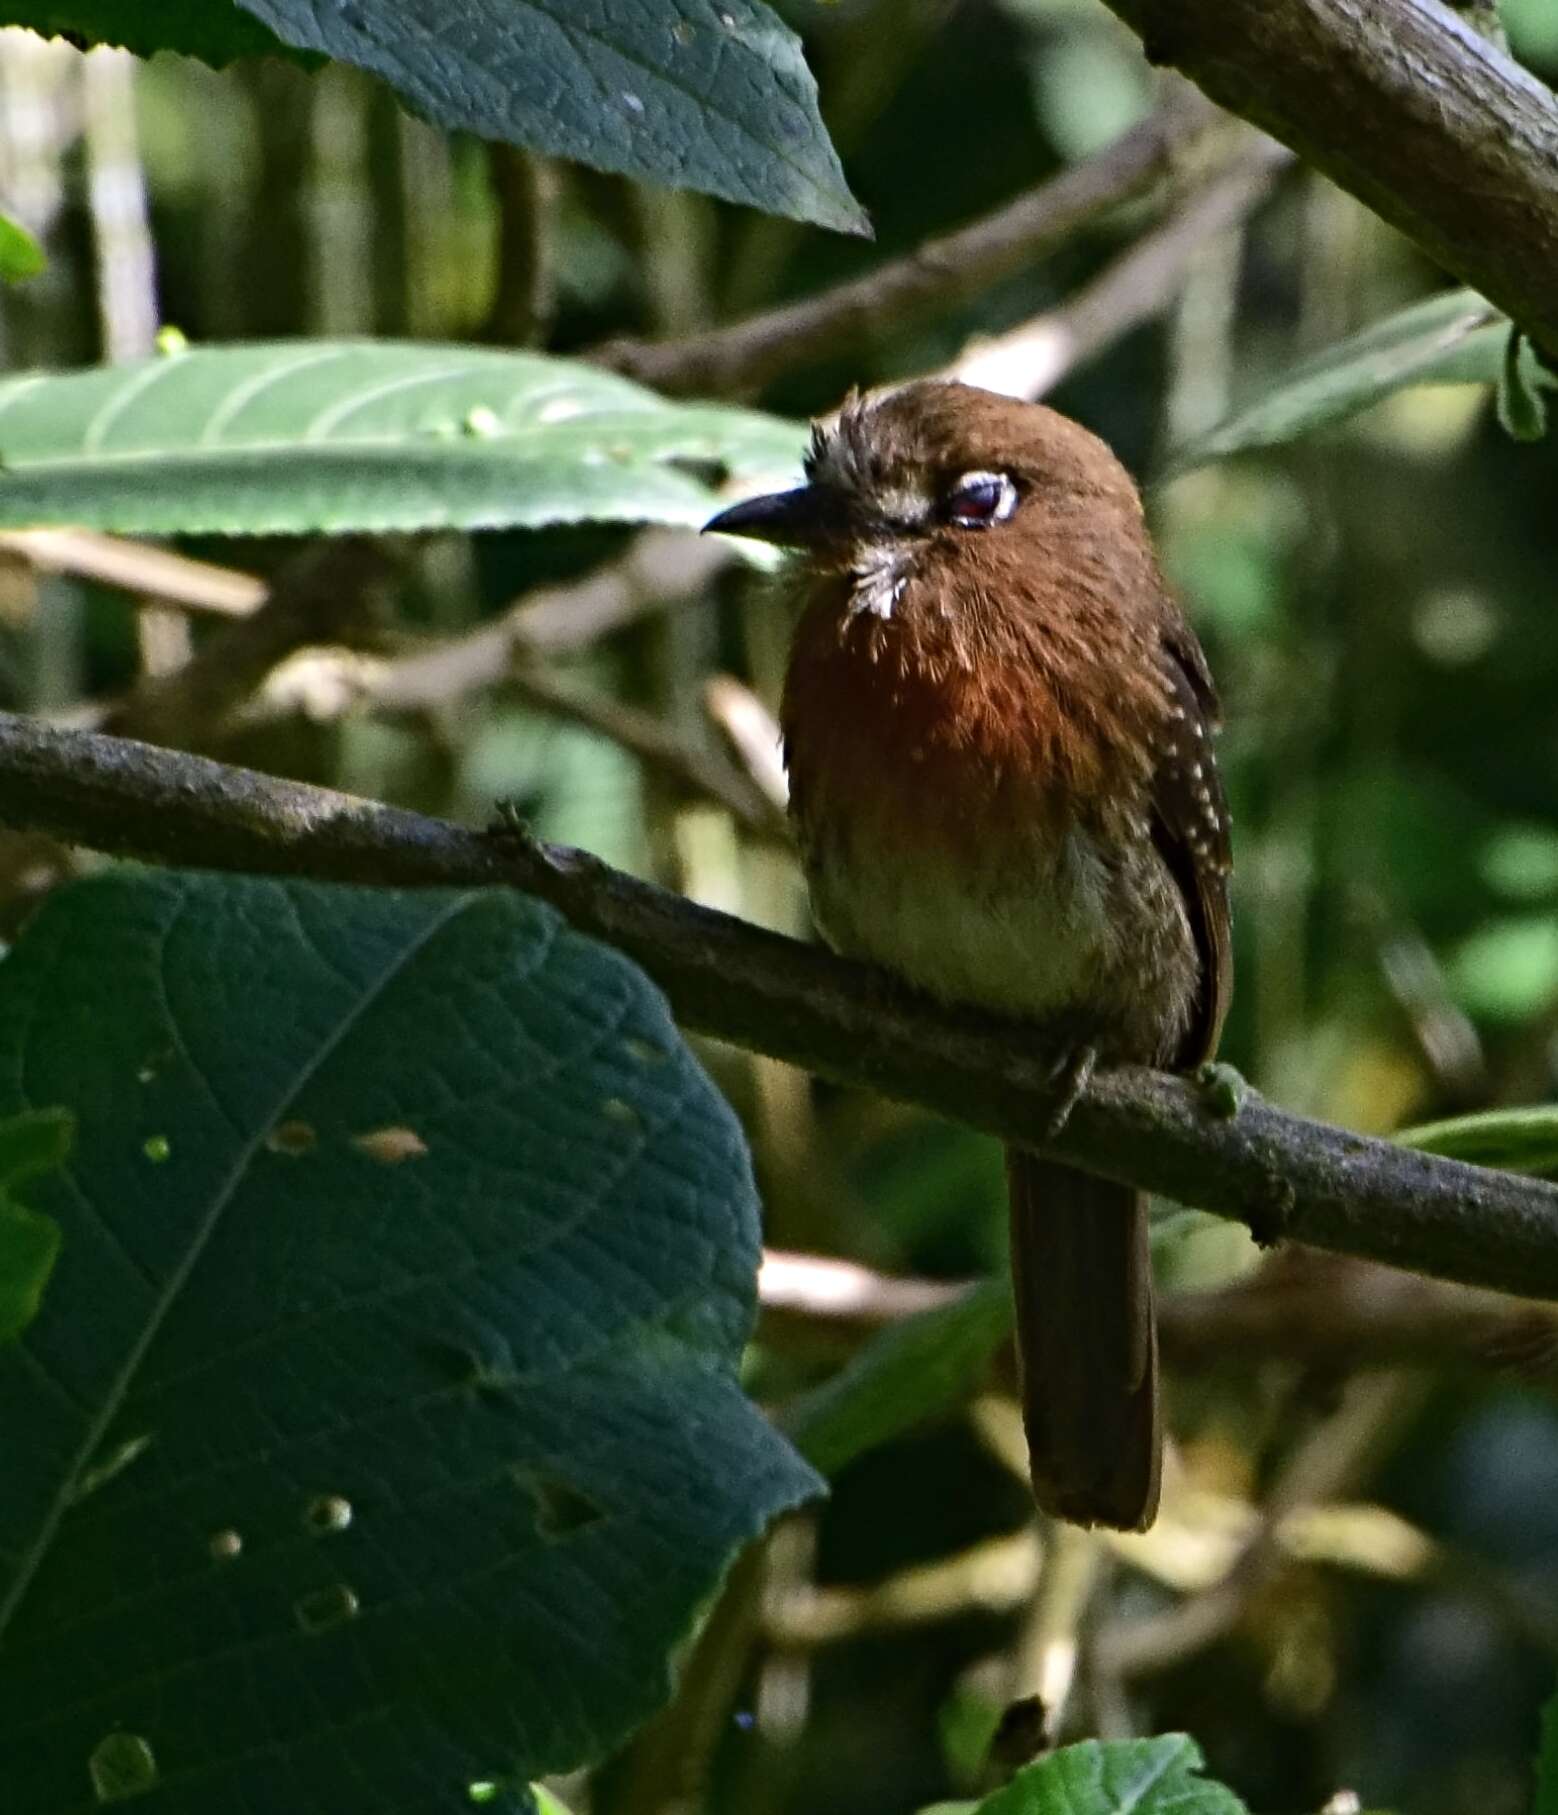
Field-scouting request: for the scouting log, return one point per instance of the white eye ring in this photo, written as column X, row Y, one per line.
column 980, row 499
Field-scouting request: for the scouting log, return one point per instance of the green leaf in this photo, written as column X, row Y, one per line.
column 1514, row 1140
column 1118, row 1777
column 684, row 92
column 680, row 92
column 35, row 1142
column 299, row 436
column 381, row 1435
column 1457, row 338
column 215, row 34
column 21, row 256
column 907, row 1372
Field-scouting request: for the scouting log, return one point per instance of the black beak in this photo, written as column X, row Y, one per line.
column 809, row 515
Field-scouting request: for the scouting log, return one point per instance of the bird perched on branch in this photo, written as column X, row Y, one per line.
column 997, row 725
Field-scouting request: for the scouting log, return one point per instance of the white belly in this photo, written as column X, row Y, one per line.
column 1032, row 940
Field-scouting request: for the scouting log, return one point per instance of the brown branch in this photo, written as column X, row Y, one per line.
column 320, row 591
column 1404, row 105
column 1323, row 1310
column 746, row 355
column 660, row 568
column 138, row 567
column 1321, row 1468
column 1342, row 1315
column 1033, row 358
column 655, row 743
column 1281, row 1175
column 753, row 734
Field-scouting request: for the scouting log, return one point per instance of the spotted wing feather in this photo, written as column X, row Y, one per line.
column 1190, row 824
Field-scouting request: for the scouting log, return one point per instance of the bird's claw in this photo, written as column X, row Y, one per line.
column 508, row 822
column 1070, row 1079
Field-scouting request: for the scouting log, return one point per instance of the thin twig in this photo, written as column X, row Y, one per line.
column 660, row 568
column 1320, row 1469
column 753, row 733
column 1406, row 106
column 816, row 1285
column 1032, row 359
column 654, row 742
column 743, row 357
column 138, row 567
column 1325, row 1310
column 321, row 590
column 1283, row 1176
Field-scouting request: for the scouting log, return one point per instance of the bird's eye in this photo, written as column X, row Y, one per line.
column 979, row 499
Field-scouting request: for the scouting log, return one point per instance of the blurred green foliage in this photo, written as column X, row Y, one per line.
column 1376, row 599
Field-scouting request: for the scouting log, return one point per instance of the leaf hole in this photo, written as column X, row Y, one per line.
column 390, row 1146
column 326, row 1608
column 292, row 1138
column 562, row 1510
column 707, row 472
column 328, row 1514
column 122, row 1765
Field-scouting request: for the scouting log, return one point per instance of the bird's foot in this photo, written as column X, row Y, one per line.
column 1070, row 1078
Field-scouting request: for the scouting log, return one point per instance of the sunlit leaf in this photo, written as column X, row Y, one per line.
column 21, row 256
column 1142, row 1776
column 303, row 436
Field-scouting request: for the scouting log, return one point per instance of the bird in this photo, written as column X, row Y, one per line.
column 997, row 724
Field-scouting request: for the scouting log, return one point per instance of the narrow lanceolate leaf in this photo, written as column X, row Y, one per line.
column 1457, row 338
column 299, row 436
column 1514, row 1140
column 691, row 93
column 910, row 1371
column 379, row 1434
column 1142, row 1776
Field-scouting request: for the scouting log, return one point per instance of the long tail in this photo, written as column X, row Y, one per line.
column 1087, row 1343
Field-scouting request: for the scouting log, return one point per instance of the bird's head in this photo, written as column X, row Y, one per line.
column 942, row 482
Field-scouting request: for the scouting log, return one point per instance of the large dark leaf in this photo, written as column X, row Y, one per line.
column 380, row 1430
column 689, row 93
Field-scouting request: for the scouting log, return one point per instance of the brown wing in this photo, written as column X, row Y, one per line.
column 1190, row 825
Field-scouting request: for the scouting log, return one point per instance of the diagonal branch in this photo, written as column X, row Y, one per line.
column 746, row 355
column 1281, row 1175
column 1405, row 105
